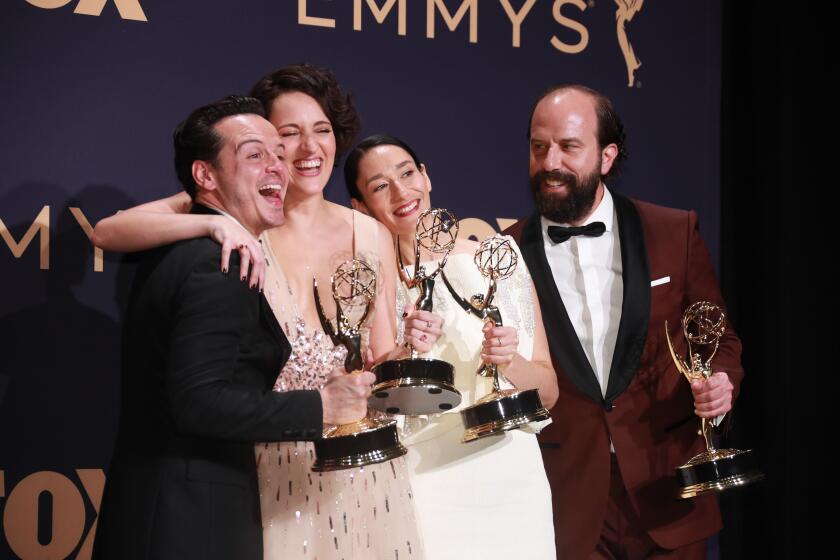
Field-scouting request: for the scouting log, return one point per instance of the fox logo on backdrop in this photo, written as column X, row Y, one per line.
column 129, row 9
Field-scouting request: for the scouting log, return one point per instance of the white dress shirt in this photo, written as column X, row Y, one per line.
column 587, row 272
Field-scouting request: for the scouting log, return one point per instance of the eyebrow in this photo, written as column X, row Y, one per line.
column 241, row 144
column 295, row 125
column 569, row 140
column 380, row 175
column 572, row 140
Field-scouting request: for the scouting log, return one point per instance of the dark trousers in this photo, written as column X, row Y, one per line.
column 624, row 538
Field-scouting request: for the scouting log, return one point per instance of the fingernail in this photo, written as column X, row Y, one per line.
column 405, row 314
column 224, row 271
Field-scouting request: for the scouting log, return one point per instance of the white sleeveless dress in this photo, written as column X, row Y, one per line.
column 488, row 499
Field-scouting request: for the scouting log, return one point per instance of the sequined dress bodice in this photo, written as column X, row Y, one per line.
column 313, row 357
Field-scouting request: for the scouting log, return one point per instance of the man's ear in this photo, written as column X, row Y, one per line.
column 203, row 175
column 608, row 155
column 359, row 206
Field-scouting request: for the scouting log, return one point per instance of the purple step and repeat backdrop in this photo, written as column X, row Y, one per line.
column 91, row 90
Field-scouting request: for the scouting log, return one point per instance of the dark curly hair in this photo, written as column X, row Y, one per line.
column 322, row 86
column 610, row 127
column 197, row 139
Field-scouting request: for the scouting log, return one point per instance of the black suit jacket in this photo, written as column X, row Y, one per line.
column 201, row 352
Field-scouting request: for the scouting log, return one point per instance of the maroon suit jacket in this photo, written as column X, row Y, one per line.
column 648, row 408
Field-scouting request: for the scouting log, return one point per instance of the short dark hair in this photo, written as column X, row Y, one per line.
column 610, row 127
column 321, row 85
column 351, row 166
column 196, row 138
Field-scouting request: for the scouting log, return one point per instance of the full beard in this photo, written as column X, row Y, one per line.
column 572, row 205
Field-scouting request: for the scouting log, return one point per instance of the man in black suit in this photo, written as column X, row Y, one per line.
column 201, row 352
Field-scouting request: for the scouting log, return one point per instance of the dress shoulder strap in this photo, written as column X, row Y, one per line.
column 365, row 239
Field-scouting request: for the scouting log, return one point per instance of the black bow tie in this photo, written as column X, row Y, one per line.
column 559, row 234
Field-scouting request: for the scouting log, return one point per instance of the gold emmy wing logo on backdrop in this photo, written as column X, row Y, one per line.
column 624, row 14
column 128, row 9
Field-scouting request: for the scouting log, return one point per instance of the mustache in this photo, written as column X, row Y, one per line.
column 555, row 175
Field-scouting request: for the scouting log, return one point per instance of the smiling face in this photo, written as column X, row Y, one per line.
column 394, row 190
column 566, row 161
column 248, row 177
column 307, row 135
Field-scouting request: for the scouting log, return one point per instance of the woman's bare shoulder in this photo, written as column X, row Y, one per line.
column 465, row 246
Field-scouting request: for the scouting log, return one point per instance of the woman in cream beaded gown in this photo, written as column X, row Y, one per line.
column 364, row 512
column 356, row 514
column 487, row 499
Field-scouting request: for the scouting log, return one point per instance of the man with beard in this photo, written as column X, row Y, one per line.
column 609, row 271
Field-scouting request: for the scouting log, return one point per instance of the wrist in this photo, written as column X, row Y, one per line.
column 210, row 225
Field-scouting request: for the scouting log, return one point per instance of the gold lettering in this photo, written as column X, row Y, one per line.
column 571, row 24
column 475, row 228
column 48, row 4
column 379, row 13
column 505, row 223
column 93, row 481
column 98, row 260
column 20, row 518
column 129, row 9
column 40, row 225
column 450, row 20
column 517, row 17
column 305, row 19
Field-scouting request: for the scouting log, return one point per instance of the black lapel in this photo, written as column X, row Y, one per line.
column 270, row 320
column 198, row 208
column 267, row 314
column 563, row 342
column 635, row 307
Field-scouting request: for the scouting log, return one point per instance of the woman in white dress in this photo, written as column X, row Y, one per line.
column 487, row 499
